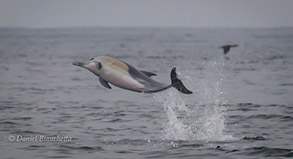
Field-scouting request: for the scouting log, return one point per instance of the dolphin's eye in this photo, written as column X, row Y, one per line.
column 99, row 65
column 92, row 59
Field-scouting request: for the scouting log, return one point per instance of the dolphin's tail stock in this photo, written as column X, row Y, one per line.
column 177, row 83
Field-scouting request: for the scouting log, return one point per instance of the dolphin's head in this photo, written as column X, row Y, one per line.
column 94, row 65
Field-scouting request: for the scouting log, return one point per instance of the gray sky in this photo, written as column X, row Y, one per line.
column 146, row 13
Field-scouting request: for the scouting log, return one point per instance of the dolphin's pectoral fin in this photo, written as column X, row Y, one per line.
column 104, row 83
column 148, row 73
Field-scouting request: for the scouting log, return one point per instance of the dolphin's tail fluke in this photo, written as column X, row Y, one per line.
column 177, row 83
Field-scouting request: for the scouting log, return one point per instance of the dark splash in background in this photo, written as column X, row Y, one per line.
column 241, row 108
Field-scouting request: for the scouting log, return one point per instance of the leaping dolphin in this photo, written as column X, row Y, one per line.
column 123, row 75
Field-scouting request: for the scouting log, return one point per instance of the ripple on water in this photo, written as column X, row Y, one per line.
column 81, row 148
column 269, row 152
column 254, row 138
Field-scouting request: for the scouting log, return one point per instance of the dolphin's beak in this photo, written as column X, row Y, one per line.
column 80, row 64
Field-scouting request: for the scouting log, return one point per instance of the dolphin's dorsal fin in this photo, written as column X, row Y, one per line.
column 148, row 73
column 104, row 83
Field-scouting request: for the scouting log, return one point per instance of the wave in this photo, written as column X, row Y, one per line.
column 81, row 148
column 254, row 138
column 270, row 152
column 271, row 116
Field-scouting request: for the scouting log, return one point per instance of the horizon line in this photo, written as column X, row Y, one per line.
column 145, row 27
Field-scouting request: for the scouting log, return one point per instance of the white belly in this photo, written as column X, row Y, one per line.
column 120, row 79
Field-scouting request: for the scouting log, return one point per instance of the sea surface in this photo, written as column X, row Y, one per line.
column 242, row 105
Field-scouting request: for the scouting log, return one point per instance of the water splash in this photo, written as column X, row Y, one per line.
column 211, row 122
column 204, row 118
column 174, row 129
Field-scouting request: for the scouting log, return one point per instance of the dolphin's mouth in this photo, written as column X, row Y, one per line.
column 80, row 64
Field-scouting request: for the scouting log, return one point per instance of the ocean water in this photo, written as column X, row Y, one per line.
column 242, row 105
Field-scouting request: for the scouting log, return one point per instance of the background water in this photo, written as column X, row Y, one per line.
column 241, row 107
